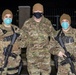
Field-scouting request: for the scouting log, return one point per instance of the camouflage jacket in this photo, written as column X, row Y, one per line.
column 36, row 35
column 4, row 43
column 69, row 42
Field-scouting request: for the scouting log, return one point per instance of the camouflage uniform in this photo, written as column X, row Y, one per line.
column 70, row 46
column 14, row 59
column 39, row 46
column 12, row 62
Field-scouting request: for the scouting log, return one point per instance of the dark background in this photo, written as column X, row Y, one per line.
column 48, row 4
column 51, row 8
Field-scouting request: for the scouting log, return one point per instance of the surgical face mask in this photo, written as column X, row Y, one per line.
column 7, row 21
column 38, row 15
column 65, row 25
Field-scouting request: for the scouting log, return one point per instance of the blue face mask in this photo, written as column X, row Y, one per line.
column 65, row 25
column 7, row 21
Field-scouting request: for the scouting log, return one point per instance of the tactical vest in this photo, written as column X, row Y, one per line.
column 66, row 39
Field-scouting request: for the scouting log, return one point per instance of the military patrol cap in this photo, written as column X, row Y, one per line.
column 65, row 16
column 7, row 11
column 38, row 6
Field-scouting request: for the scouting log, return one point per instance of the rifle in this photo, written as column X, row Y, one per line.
column 9, row 48
column 69, row 59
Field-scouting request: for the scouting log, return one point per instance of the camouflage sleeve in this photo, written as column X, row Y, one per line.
column 53, row 44
column 20, row 39
column 74, row 32
column 1, row 32
column 25, row 34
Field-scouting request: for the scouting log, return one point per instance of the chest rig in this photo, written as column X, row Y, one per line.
column 66, row 39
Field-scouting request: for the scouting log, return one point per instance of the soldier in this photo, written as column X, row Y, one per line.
column 36, row 32
column 6, row 30
column 68, row 35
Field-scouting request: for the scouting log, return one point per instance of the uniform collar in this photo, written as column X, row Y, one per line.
column 69, row 31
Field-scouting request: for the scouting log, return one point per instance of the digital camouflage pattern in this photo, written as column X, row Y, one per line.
column 71, row 47
column 12, row 62
column 39, row 46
